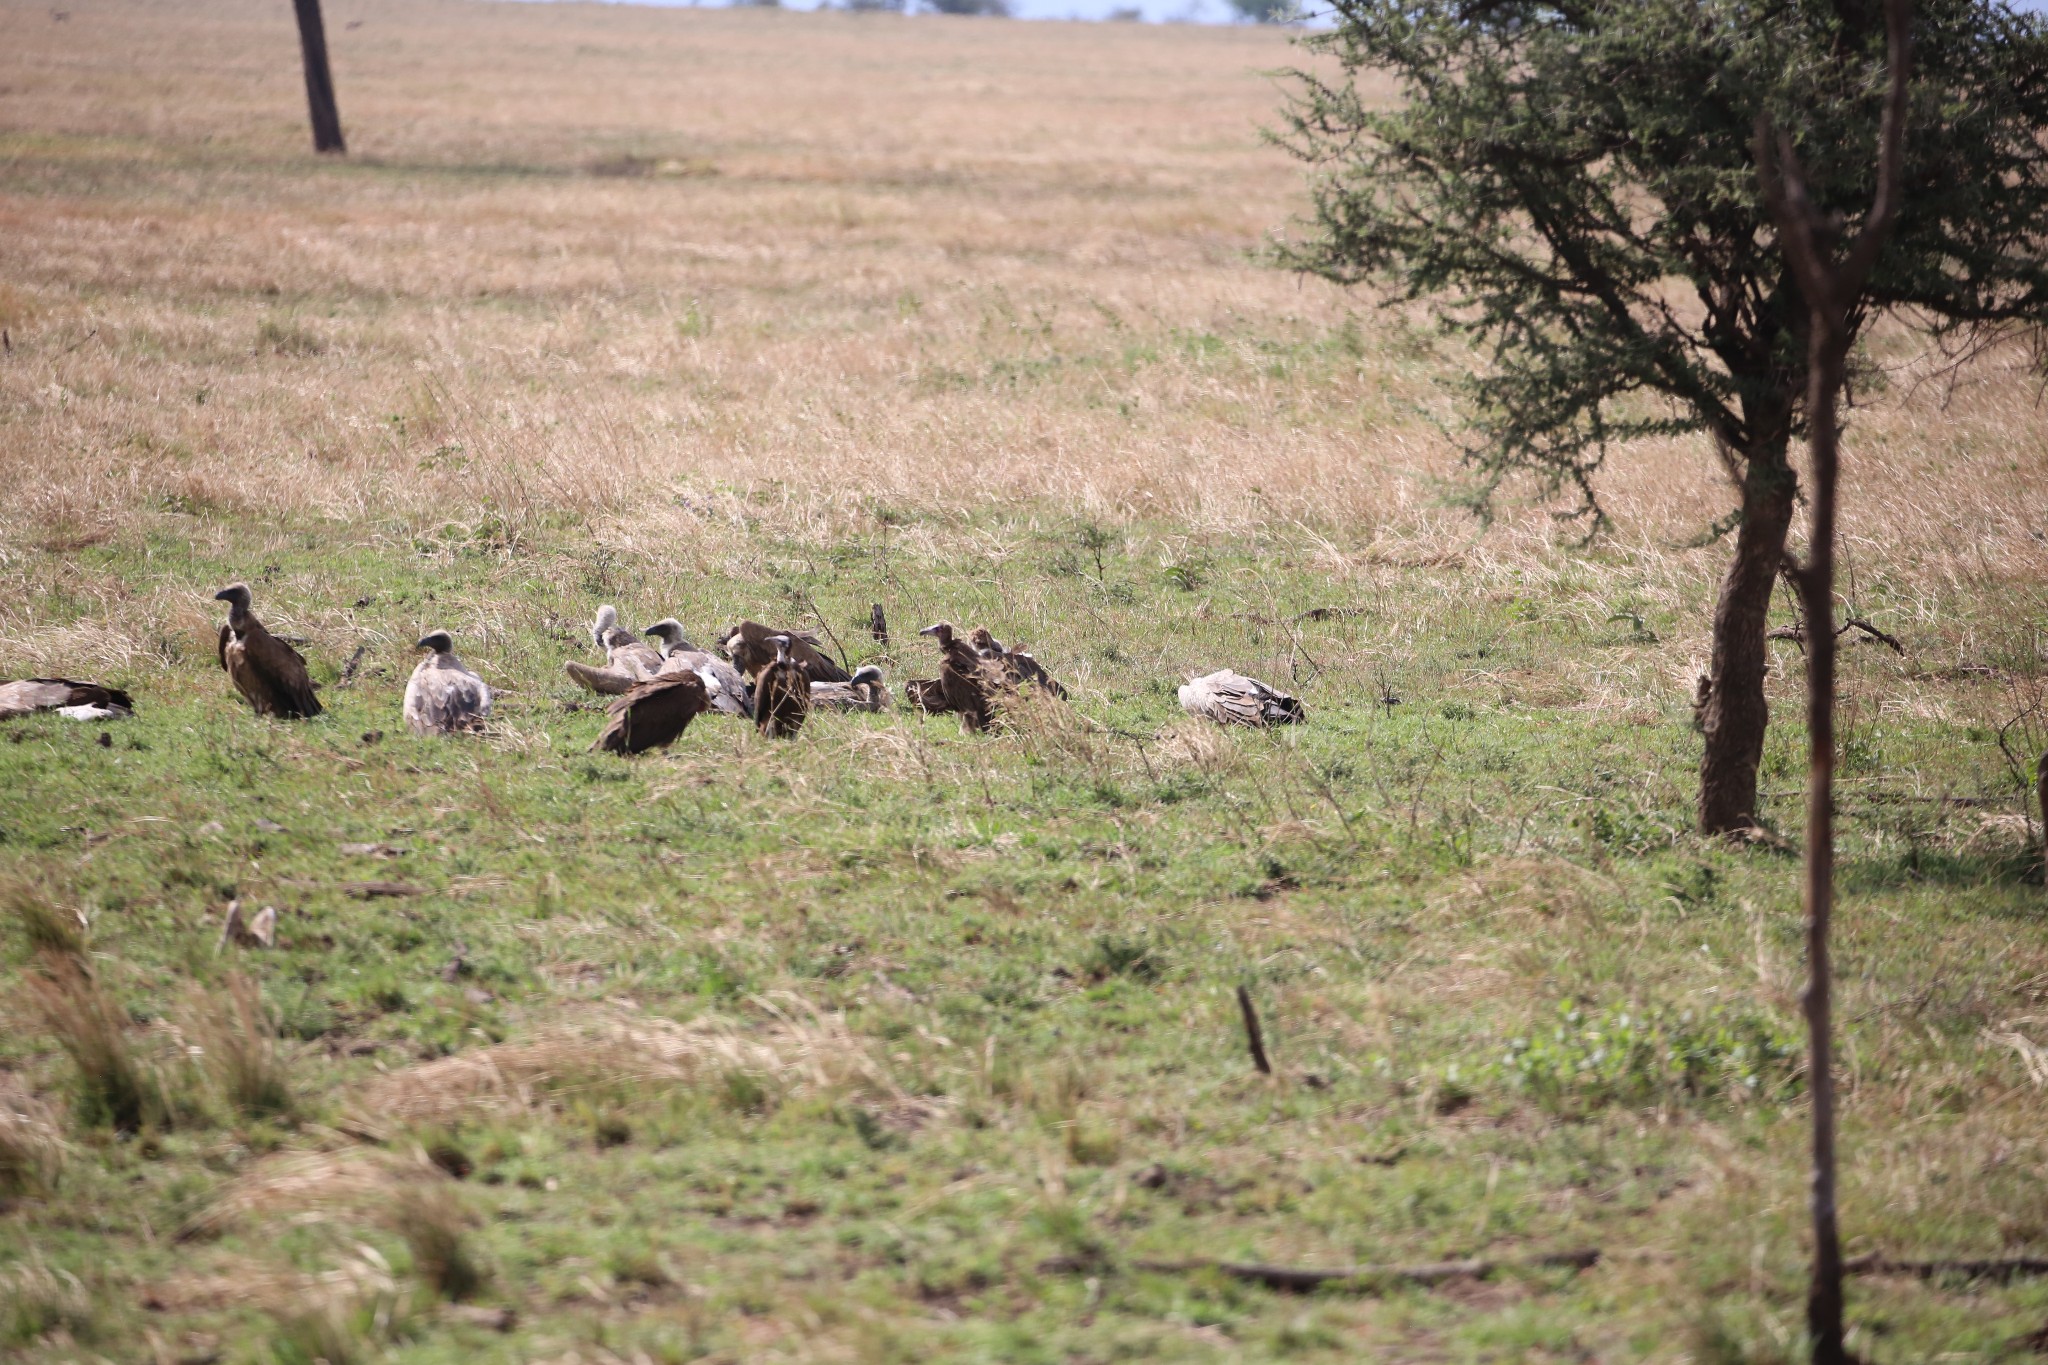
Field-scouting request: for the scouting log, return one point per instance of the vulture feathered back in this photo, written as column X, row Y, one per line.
column 864, row 691
column 623, row 650
column 751, row 647
column 654, row 714
column 729, row 691
column 67, row 697
column 443, row 696
column 965, row 681
column 782, row 694
column 269, row 673
column 1230, row 698
column 1014, row 665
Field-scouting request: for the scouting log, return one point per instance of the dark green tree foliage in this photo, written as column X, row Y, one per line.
column 1574, row 185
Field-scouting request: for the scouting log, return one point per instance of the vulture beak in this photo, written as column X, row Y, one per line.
column 940, row 629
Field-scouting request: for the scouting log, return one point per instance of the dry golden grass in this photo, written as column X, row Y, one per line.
column 628, row 261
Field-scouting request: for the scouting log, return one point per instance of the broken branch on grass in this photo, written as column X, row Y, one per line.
column 1992, row 1268
column 1252, row 1033
column 1304, row 1279
column 1797, row 634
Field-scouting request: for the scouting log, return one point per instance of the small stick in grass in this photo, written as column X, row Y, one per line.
column 1252, row 1033
column 1304, row 1279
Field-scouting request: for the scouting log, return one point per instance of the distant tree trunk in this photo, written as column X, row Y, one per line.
column 319, row 80
column 1808, row 237
column 1733, row 712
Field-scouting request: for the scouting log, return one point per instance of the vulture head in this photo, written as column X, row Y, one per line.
column 781, row 643
column 440, row 641
column 669, row 631
column 866, row 673
column 236, row 595
column 984, row 643
column 941, row 631
column 607, row 620
column 727, row 640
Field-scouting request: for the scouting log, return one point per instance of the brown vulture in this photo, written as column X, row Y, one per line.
column 729, row 691
column 863, row 692
column 68, row 698
column 443, row 696
column 966, row 683
column 1013, row 664
column 1230, row 698
column 926, row 695
column 751, row 647
column 654, row 714
column 269, row 673
column 782, row 694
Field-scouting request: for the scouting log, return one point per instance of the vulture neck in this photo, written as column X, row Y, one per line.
column 238, row 617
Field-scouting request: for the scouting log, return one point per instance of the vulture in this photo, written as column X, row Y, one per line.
column 863, row 692
column 966, row 684
column 269, row 673
column 926, row 695
column 751, row 647
column 68, row 698
column 443, row 696
column 729, row 691
column 782, row 694
column 654, row 714
column 628, row 660
column 1013, row 664
column 1230, row 698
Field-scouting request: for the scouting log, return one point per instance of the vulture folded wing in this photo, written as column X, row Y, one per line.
column 654, row 714
column 609, row 682
column 269, row 673
column 59, row 694
column 445, row 701
column 782, row 700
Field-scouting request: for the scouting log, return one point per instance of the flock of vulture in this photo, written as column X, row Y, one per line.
column 659, row 682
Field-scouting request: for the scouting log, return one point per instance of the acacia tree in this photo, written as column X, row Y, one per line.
column 1574, row 184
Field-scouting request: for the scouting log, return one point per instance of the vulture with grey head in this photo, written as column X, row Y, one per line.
column 751, row 647
column 270, row 674
column 628, row 659
column 1013, row 664
column 966, row 682
column 654, row 714
column 443, row 696
column 864, row 691
column 68, row 698
column 1230, row 698
column 729, row 691
column 782, row 694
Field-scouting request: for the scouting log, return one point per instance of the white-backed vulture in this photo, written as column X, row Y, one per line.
column 966, row 683
column 443, row 696
column 864, row 691
column 729, row 691
column 750, row 645
column 68, row 698
column 270, row 674
column 654, row 714
column 1230, row 698
column 1014, row 664
column 782, row 694
column 624, row 650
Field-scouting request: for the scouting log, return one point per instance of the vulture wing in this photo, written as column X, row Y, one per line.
column 442, row 699
column 654, row 714
column 748, row 645
column 270, row 673
column 926, row 694
column 610, row 682
column 51, row 694
column 729, row 692
column 782, row 700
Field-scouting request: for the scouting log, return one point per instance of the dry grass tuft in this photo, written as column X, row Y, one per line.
column 46, row 927
column 338, row 1181
column 31, row 1150
column 802, row 1047
column 435, row 1225
column 240, row 1050
column 111, row 1086
column 38, row 1302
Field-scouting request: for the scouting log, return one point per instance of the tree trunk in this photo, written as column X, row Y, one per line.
column 1733, row 713
column 319, row 80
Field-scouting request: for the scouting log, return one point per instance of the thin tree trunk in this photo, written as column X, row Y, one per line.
column 1734, row 713
column 319, row 80
column 1830, row 286
column 1817, row 596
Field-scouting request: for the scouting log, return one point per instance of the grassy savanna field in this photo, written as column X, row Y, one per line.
column 890, row 1042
